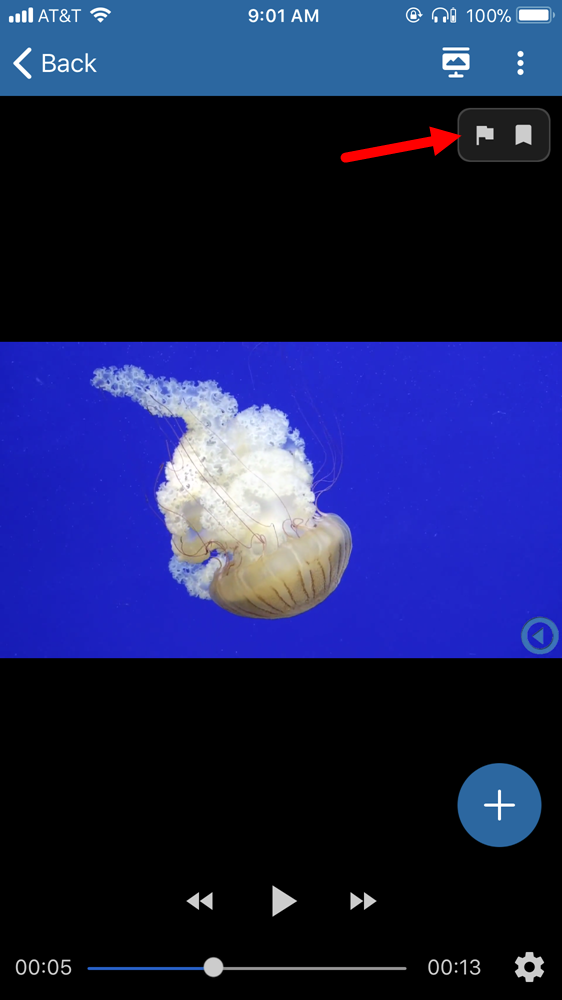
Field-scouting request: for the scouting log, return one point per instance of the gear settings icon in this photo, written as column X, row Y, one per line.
column 529, row 959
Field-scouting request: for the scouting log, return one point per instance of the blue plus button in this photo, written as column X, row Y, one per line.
column 499, row 805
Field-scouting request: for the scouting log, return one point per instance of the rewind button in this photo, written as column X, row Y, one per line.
column 207, row 901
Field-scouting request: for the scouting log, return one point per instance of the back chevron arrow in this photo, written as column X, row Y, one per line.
column 21, row 68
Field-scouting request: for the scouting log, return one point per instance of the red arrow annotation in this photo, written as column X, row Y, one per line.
column 438, row 139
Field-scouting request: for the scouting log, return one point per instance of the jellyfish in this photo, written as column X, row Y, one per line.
column 238, row 500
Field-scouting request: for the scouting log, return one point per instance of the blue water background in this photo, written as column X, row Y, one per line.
column 451, row 484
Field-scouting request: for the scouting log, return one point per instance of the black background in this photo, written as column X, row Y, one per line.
column 133, row 805
column 180, row 196
column 289, row 148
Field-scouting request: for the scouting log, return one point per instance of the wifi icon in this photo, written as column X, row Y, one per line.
column 100, row 13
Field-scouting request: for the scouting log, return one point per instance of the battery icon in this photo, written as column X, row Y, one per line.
column 534, row 15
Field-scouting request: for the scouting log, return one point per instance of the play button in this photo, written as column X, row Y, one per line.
column 280, row 901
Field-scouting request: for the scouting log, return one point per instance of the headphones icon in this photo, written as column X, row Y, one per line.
column 435, row 19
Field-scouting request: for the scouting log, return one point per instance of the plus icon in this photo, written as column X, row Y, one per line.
column 499, row 805
column 474, row 805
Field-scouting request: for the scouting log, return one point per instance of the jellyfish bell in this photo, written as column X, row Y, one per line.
column 289, row 579
column 238, row 500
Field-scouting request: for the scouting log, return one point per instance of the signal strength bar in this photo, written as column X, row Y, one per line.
column 26, row 17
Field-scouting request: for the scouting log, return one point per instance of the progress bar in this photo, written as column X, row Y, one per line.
column 214, row 967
